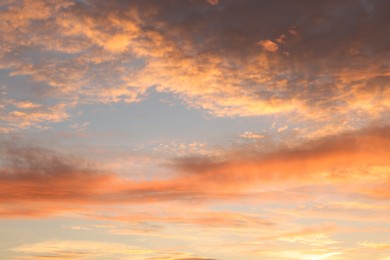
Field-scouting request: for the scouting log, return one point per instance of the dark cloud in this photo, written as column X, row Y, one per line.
column 33, row 173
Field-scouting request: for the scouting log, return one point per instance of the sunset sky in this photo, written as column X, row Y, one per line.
column 194, row 129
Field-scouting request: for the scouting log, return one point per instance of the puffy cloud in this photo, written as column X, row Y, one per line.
column 321, row 66
column 268, row 45
column 22, row 119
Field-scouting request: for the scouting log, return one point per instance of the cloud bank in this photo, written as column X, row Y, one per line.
column 323, row 61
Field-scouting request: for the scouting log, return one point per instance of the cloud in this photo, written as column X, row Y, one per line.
column 80, row 127
column 33, row 175
column 36, row 115
column 339, row 158
column 322, row 67
column 375, row 245
column 300, row 254
column 251, row 135
column 82, row 249
column 222, row 220
column 213, row 2
column 268, row 45
column 313, row 236
column 330, row 179
column 282, row 129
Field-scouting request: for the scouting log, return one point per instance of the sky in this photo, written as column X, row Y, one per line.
column 194, row 129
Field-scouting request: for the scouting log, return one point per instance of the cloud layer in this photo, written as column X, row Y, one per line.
column 357, row 161
column 323, row 61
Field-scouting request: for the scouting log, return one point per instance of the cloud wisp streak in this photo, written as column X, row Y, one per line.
column 357, row 161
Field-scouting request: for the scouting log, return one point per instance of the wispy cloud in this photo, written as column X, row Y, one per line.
column 251, row 135
column 73, row 249
column 37, row 175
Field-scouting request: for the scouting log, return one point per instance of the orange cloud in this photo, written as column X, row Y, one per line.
column 268, row 45
column 250, row 135
column 123, row 51
column 36, row 175
column 213, row 2
column 74, row 249
column 340, row 158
